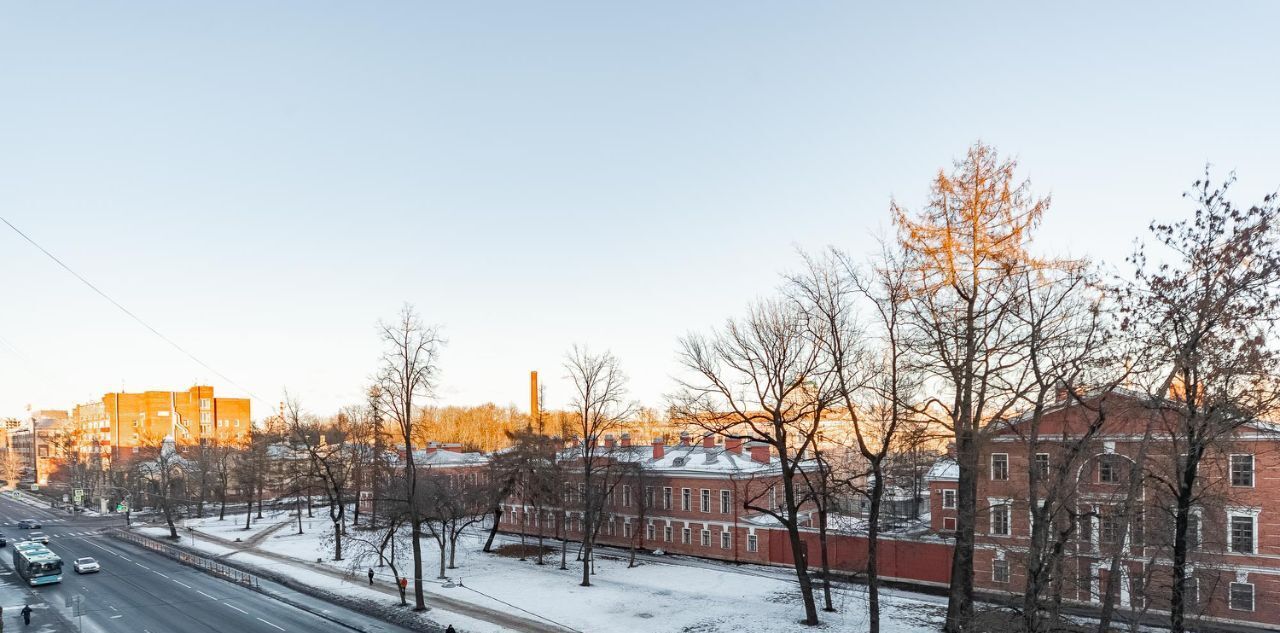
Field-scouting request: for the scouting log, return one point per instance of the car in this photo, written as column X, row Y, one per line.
column 3, row 541
column 86, row 565
column 40, row 537
column 28, row 524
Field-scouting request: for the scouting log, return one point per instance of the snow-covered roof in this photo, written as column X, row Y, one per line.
column 447, row 458
column 688, row 459
column 945, row 469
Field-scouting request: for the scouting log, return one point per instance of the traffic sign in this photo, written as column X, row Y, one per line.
column 78, row 493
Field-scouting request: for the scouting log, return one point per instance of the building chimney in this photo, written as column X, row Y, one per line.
column 759, row 452
column 684, row 438
column 534, row 408
column 432, row 447
column 659, row 448
column 733, row 445
column 626, row 440
column 708, row 441
column 609, row 442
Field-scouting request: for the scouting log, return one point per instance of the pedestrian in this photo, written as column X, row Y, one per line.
column 26, row 614
column 404, row 584
column 370, row 576
column 450, row 629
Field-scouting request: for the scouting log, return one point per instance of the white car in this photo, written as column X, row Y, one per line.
column 86, row 565
column 38, row 536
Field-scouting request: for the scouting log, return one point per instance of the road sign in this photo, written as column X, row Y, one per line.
column 78, row 493
column 66, row 498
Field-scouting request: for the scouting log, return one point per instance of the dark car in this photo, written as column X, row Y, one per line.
column 28, row 524
column 3, row 541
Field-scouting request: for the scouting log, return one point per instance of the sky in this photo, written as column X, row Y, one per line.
column 263, row 182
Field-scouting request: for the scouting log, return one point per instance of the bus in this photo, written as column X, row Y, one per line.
column 36, row 563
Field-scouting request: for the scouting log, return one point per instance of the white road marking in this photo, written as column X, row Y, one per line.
column 204, row 594
column 182, row 583
column 156, row 572
column 275, row 625
column 236, row 608
column 142, row 566
column 116, row 616
column 125, row 557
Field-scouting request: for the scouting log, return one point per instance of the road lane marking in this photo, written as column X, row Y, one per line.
column 142, row 566
column 182, row 583
column 236, row 608
column 156, row 572
column 204, row 594
column 275, row 625
column 121, row 616
column 125, row 557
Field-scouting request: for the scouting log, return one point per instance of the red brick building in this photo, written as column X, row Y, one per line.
column 1234, row 561
column 687, row 498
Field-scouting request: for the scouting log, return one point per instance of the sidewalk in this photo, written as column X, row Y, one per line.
column 245, row 553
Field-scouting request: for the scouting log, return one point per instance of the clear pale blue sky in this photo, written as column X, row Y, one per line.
column 264, row 181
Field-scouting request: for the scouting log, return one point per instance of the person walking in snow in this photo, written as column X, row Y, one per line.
column 404, row 584
column 26, row 614
column 450, row 629
column 370, row 576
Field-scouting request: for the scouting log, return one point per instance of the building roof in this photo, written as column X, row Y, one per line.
column 688, row 459
column 945, row 469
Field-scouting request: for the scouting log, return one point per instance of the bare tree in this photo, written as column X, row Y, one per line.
column 410, row 365
column 600, row 406
column 755, row 381
column 1206, row 312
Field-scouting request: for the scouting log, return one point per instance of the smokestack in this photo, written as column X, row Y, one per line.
column 534, row 409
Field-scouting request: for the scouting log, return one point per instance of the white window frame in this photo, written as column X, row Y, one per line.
column 706, row 537
column 686, row 499
column 952, row 495
column 1006, row 467
column 726, row 501
column 753, row 543
column 686, row 536
column 1008, row 571
column 626, row 496
column 1253, row 470
column 1006, row 505
column 704, row 500
column 1048, row 465
column 944, row 524
column 1253, row 596
column 726, row 539
column 666, row 533
column 1252, row 515
column 666, row 497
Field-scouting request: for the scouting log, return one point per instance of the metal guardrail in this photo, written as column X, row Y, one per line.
column 185, row 557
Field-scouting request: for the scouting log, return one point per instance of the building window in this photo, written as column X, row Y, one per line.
column 999, row 466
column 1243, row 531
column 666, row 533
column 1109, row 526
column 704, row 500
column 648, row 497
column 206, row 403
column 650, row 532
column 725, row 539
column 1108, row 470
column 666, row 498
column 626, row 530
column 753, row 545
column 948, row 499
column 1000, row 571
column 1242, row 471
column 706, row 538
column 685, row 536
column 626, row 496
column 725, row 504
column 1241, row 596
column 1193, row 531
column 1042, row 465
column 685, row 499
column 1191, row 591
column 949, row 524
column 1000, row 520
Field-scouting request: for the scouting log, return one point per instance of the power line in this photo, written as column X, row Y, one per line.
column 129, row 312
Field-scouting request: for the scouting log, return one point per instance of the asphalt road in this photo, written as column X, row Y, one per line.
column 139, row 591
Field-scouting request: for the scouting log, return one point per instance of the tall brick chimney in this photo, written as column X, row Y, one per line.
column 609, row 442
column 708, row 441
column 659, row 448
column 626, row 440
column 684, row 438
column 733, row 445
column 759, row 452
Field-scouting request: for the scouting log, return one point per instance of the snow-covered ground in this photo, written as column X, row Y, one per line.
column 654, row 596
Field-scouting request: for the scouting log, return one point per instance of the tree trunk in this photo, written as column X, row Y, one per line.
column 443, row 542
column 960, row 597
column 826, row 562
column 873, row 551
column 493, row 529
column 419, row 601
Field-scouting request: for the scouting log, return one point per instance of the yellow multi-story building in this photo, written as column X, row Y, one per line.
column 121, row 423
